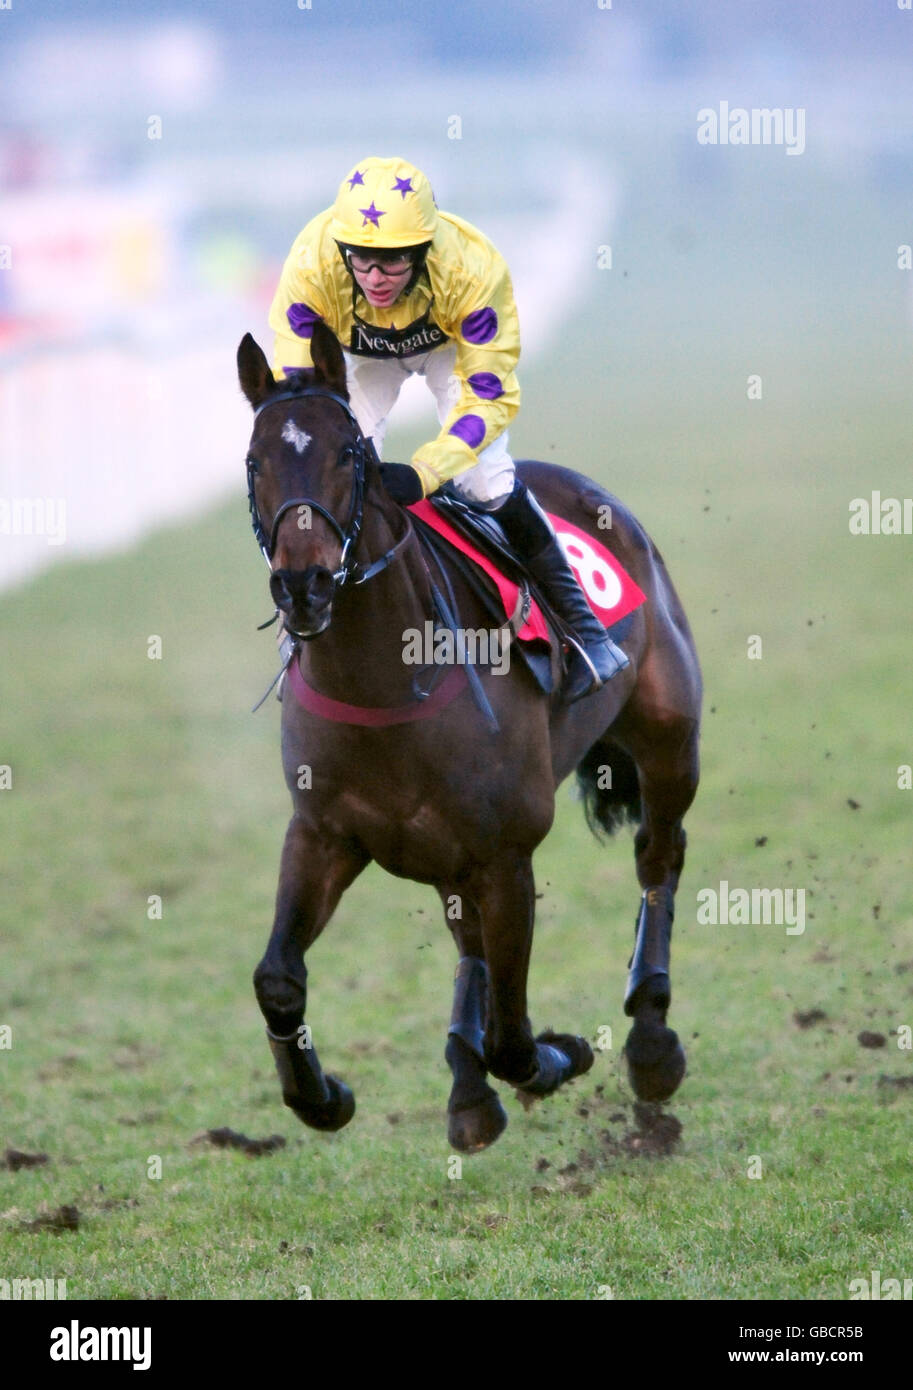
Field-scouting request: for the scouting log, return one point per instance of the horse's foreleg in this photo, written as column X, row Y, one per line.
column 667, row 764
column 506, row 898
column 475, row 1115
column 313, row 874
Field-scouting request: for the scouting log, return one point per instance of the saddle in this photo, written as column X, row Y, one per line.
column 472, row 543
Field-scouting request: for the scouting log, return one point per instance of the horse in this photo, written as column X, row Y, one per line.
column 429, row 790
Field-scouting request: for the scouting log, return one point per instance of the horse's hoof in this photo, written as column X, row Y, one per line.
column 656, row 1061
column 469, row 1131
column 562, row 1056
column 576, row 1049
column 337, row 1112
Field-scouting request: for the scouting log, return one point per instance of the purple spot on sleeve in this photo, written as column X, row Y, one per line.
column 469, row 428
column 486, row 385
column 302, row 319
column 480, row 327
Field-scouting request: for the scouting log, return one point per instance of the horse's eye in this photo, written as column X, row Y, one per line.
column 253, row 465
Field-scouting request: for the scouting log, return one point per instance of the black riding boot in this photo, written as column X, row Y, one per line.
column 533, row 537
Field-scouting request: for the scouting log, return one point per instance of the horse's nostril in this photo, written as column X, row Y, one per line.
column 319, row 586
column 279, row 590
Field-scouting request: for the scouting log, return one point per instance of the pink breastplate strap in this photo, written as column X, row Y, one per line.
column 374, row 716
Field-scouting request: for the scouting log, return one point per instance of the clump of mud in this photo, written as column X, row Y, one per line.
column 231, row 1139
column 808, row 1018
column 62, row 1219
column 14, row 1159
column 656, row 1133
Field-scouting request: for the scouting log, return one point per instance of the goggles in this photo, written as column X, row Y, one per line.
column 396, row 263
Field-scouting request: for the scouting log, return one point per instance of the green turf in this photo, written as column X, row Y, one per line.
column 131, row 1036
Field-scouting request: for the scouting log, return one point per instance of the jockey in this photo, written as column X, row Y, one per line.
column 407, row 288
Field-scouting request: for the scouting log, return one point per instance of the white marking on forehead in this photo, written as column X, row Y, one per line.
column 293, row 435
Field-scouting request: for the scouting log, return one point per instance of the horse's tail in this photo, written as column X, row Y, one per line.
column 607, row 777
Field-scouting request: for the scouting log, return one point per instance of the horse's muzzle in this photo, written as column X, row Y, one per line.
column 305, row 597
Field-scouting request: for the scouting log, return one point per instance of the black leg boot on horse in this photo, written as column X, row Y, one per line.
column 655, row 1057
column 475, row 1114
column 594, row 657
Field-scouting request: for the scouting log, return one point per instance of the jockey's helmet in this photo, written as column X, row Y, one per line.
column 384, row 204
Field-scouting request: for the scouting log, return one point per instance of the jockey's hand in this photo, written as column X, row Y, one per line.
column 401, row 482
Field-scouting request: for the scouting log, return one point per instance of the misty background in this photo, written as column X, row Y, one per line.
column 134, row 264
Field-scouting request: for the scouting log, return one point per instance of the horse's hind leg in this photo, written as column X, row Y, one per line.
column 476, row 1117
column 313, row 874
column 665, row 749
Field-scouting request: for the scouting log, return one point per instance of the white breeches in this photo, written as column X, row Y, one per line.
column 374, row 385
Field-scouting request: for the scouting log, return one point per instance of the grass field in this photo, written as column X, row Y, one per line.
column 131, row 1036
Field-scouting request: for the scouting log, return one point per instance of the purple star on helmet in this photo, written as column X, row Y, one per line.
column 371, row 214
column 403, row 186
column 356, row 178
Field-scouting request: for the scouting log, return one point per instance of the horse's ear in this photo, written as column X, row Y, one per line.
column 257, row 381
column 326, row 355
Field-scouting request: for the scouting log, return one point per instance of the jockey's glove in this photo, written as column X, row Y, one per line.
column 402, row 482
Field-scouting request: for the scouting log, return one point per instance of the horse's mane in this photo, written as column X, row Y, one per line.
column 298, row 380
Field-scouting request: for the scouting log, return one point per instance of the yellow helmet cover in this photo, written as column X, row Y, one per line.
column 384, row 203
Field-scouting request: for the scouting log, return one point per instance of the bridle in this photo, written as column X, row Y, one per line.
column 357, row 449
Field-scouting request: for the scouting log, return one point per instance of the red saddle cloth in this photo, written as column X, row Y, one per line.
column 609, row 589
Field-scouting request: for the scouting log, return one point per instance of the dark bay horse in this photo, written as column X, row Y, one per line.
column 444, row 800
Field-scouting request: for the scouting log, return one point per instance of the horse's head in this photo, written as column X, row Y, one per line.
column 306, row 477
